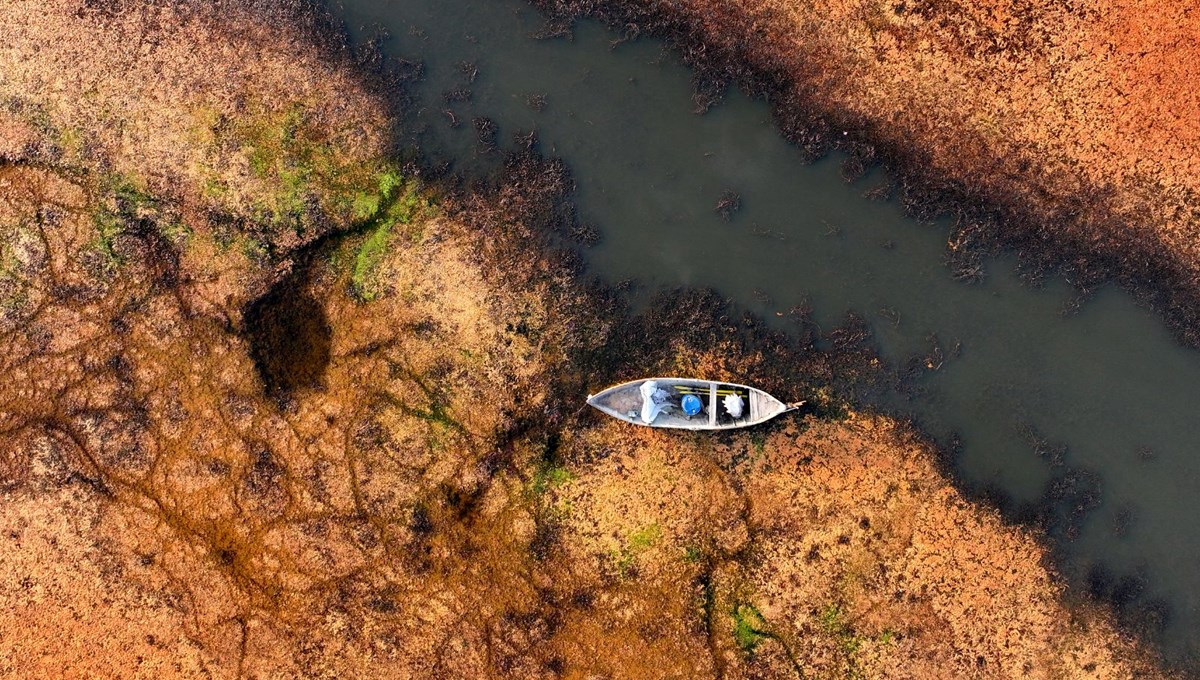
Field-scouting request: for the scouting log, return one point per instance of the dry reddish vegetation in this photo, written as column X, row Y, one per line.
column 230, row 446
column 1070, row 127
column 62, row 615
column 832, row 549
column 269, row 124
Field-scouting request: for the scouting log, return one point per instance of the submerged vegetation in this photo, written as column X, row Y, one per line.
column 302, row 422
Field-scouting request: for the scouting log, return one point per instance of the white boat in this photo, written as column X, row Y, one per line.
column 689, row 404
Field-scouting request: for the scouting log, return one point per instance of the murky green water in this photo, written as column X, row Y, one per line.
column 1108, row 382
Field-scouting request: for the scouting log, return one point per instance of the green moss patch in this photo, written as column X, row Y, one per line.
column 749, row 627
column 118, row 201
column 298, row 165
column 392, row 201
column 636, row 543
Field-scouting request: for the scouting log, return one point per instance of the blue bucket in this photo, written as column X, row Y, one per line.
column 691, row 404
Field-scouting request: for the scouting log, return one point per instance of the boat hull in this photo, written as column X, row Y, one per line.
column 624, row 402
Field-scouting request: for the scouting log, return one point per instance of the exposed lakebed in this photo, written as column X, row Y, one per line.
column 1092, row 402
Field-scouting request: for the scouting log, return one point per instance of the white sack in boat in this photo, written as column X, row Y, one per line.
column 652, row 400
column 734, row 404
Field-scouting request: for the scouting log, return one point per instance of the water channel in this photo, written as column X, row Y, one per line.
column 1107, row 382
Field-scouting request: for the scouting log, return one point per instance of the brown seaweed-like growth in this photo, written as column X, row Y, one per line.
column 729, row 203
column 825, row 550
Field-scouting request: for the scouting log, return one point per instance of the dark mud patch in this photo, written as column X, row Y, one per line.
column 289, row 337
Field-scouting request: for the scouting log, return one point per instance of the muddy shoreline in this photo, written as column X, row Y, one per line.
column 1076, row 240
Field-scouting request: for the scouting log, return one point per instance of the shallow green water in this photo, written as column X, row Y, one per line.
column 1108, row 382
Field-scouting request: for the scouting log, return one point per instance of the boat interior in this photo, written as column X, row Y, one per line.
column 627, row 403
